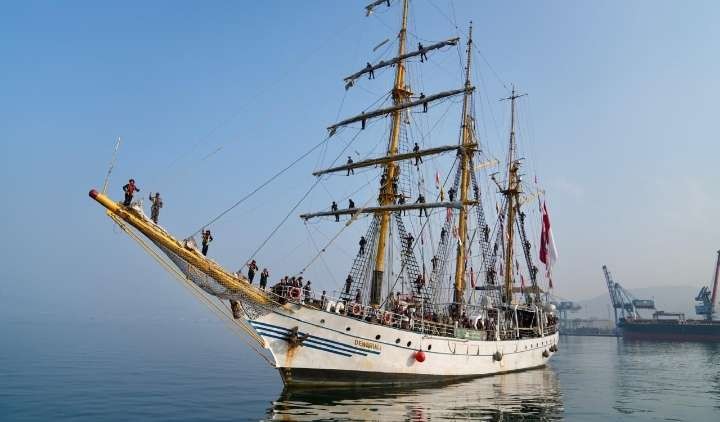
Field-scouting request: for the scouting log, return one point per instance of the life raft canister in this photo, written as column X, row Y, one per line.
column 420, row 356
column 295, row 293
column 356, row 309
column 388, row 318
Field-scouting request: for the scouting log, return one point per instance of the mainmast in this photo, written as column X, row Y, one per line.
column 400, row 95
column 511, row 193
column 466, row 139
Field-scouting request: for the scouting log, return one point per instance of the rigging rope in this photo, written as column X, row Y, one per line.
column 195, row 290
column 262, row 185
column 297, row 204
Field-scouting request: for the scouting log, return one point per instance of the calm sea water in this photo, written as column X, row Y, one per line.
column 200, row 370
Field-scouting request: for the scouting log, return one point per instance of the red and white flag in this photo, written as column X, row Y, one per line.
column 437, row 179
column 548, row 251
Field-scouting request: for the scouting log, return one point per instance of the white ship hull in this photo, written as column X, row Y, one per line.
column 345, row 351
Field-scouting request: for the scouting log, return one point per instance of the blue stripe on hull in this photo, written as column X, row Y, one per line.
column 312, row 341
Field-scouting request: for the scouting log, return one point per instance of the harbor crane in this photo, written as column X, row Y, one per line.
column 708, row 298
column 623, row 302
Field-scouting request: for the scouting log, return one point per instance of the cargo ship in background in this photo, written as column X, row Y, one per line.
column 667, row 326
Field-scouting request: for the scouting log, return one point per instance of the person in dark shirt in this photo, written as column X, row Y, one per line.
column 421, row 200
column 333, row 208
column 350, row 170
column 418, row 158
column 252, row 267
column 348, row 283
column 362, row 243
column 206, row 239
column 371, row 72
column 264, row 275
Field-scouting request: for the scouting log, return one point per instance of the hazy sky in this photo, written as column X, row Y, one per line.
column 212, row 98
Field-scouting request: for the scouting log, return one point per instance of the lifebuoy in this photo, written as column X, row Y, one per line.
column 388, row 318
column 295, row 293
column 356, row 309
column 420, row 356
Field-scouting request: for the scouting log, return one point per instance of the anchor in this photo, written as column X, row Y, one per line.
column 296, row 340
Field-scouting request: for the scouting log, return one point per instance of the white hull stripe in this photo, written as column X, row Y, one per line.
column 274, row 331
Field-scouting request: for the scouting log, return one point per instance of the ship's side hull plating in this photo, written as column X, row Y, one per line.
column 671, row 330
column 316, row 348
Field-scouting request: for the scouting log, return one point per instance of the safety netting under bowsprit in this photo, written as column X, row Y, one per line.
column 211, row 286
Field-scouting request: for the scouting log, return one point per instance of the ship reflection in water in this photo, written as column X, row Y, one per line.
column 533, row 394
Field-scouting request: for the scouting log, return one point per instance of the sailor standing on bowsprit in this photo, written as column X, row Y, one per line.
column 252, row 267
column 264, row 275
column 157, row 203
column 206, row 239
column 129, row 190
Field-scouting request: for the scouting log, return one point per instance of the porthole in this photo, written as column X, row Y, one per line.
column 409, row 343
column 347, row 329
column 377, row 337
column 322, row 321
column 429, row 346
column 397, row 341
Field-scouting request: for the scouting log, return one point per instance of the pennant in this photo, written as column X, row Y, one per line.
column 472, row 278
column 548, row 251
column 437, row 180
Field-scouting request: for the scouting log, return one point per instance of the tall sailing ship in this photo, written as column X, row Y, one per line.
column 397, row 319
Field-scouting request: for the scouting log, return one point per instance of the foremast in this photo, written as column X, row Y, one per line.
column 400, row 95
column 465, row 154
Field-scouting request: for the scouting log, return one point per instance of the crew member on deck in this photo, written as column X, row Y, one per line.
column 418, row 158
column 206, row 239
column 264, row 275
column 252, row 267
column 157, row 203
column 307, row 291
column 358, row 296
column 350, row 171
column 323, row 299
column 362, row 243
column 129, row 190
column 333, row 208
